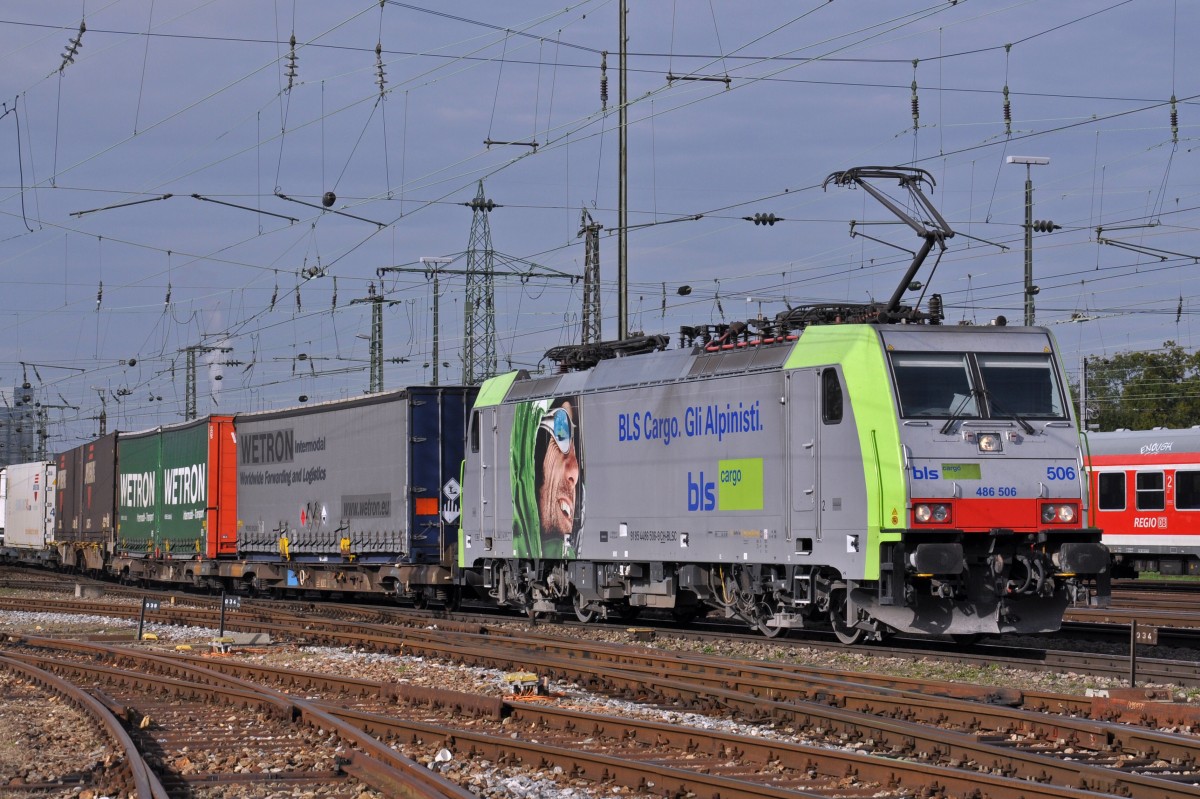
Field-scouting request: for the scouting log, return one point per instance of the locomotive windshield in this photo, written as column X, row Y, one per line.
column 971, row 386
column 1026, row 385
column 934, row 384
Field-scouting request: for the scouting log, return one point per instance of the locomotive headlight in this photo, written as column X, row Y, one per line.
column 937, row 514
column 1060, row 514
column 989, row 442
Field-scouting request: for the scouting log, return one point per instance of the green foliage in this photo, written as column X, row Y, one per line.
column 1141, row 390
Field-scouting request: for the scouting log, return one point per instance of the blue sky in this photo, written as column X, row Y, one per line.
column 195, row 98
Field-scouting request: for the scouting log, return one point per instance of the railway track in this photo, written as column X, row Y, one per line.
column 864, row 737
column 187, row 728
column 258, row 616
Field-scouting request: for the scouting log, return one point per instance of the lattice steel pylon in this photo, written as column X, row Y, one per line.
column 479, row 315
column 590, row 230
column 189, row 387
column 377, row 301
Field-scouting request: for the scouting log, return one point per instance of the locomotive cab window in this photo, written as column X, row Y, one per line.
column 934, row 384
column 1187, row 490
column 831, row 397
column 1025, row 385
column 1150, row 493
column 475, row 431
column 1112, row 491
column 962, row 385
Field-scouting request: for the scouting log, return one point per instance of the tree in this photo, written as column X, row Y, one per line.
column 1142, row 390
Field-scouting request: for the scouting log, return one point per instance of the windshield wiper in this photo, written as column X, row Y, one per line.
column 960, row 410
column 1016, row 417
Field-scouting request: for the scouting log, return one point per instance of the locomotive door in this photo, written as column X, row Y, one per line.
column 487, row 476
column 802, row 454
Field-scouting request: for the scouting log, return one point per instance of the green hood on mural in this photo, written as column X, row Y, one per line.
column 529, row 540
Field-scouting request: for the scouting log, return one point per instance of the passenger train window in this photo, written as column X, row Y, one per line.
column 1150, row 494
column 1022, row 384
column 934, row 384
column 831, row 397
column 1112, row 491
column 1187, row 490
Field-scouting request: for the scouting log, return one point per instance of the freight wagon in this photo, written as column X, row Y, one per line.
column 85, row 503
column 29, row 512
column 358, row 495
column 176, row 503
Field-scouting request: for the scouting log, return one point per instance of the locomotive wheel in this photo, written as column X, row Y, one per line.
column 453, row 600
column 845, row 633
column 529, row 604
column 583, row 614
column 772, row 632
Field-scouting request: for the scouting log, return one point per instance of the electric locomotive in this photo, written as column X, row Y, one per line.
column 857, row 466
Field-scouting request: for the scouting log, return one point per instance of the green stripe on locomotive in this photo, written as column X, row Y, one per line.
column 858, row 350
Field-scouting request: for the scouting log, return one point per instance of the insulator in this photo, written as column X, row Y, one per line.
column 99, row 295
column 1174, row 121
column 381, row 78
column 291, row 57
column 936, row 312
column 604, row 92
column 1007, row 112
column 916, row 103
column 604, row 80
column 73, row 47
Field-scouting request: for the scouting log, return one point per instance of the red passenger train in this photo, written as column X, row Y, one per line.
column 1145, row 487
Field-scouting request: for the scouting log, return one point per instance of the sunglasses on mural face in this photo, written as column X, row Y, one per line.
column 561, row 428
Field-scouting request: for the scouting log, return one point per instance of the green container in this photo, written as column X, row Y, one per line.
column 162, row 491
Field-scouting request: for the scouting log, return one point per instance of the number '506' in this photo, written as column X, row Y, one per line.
column 1060, row 472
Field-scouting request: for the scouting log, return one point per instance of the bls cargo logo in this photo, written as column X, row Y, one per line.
column 950, row 471
column 734, row 485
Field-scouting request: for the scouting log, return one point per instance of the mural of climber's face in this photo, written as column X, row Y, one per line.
column 558, row 471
